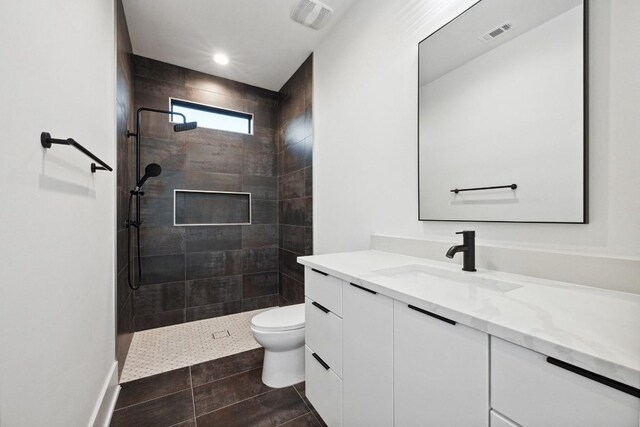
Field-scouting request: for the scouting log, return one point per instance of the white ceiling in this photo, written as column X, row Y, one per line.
column 458, row 42
column 264, row 45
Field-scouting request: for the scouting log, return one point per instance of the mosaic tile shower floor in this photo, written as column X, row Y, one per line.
column 164, row 349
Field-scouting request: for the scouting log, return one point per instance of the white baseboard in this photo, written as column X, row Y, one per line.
column 600, row 271
column 101, row 416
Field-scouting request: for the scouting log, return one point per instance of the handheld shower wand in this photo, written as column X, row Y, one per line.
column 152, row 170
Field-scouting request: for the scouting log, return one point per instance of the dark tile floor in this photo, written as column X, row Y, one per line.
column 224, row 392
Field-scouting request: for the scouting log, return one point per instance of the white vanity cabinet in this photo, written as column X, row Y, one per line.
column 441, row 370
column 323, row 344
column 372, row 361
column 532, row 392
column 367, row 365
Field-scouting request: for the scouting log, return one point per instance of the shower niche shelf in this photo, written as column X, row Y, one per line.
column 200, row 207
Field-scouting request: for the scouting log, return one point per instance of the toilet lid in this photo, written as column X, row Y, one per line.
column 280, row 319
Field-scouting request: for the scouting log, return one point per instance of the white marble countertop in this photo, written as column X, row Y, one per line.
column 595, row 329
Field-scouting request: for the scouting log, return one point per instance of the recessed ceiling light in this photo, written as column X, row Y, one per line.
column 221, row 58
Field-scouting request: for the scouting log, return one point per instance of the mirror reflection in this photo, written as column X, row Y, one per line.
column 501, row 114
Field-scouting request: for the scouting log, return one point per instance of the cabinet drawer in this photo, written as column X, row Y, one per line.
column 323, row 389
column 323, row 333
column 532, row 392
column 498, row 420
column 324, row 289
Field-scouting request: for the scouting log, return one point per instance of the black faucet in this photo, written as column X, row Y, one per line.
column 468, row 248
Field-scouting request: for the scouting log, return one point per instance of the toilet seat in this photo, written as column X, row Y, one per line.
column 280, row 319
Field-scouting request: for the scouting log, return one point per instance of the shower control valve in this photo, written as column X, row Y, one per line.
column 133, row 224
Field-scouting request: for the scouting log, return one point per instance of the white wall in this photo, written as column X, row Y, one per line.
column 511, row 115
column 365, row 132
column 57, row 219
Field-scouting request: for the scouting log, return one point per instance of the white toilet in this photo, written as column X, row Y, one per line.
column 281, row 332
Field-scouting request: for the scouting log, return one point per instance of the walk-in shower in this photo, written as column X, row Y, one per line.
column 151, row 170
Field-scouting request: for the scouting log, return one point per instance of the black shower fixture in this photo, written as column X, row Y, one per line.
column 152, row 170
column 181, row 127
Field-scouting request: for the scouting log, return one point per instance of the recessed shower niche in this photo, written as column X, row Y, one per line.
column 198, row 207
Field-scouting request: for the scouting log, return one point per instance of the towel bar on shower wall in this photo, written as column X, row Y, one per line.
column 46, row 141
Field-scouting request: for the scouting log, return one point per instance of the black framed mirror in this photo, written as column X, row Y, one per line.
column 502, row 114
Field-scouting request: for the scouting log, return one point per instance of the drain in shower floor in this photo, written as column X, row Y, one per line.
column 221, row 334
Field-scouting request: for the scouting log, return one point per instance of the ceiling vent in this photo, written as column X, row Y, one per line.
column 312, row 14
column 489, row 36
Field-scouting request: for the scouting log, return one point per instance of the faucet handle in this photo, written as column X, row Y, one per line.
column 467, row 232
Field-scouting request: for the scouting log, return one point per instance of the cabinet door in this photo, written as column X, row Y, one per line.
column 367, row 365
column 441, row 371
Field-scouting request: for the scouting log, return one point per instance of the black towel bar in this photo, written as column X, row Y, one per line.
column 458, row 190
column 46, row 141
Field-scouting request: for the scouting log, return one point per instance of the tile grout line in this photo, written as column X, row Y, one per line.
column 297, row 198
column 240, row 401
column 305, row 403
column 315, row 417
column 150, row 400
column 193, row 398
column 293, row 278
column 228, row 376
column 293, row 419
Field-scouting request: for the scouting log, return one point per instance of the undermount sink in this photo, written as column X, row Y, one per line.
column 452, row 283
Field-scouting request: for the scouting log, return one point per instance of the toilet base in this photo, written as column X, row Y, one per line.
column 283, row 368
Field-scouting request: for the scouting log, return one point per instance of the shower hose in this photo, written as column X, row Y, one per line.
column 130, row 225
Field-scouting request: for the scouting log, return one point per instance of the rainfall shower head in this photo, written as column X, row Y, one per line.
column 181, row 127
column 152, row 170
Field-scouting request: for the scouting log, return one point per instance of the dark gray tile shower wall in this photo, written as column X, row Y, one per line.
column 193, row 273
column 295, row 148
column 124, row 152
